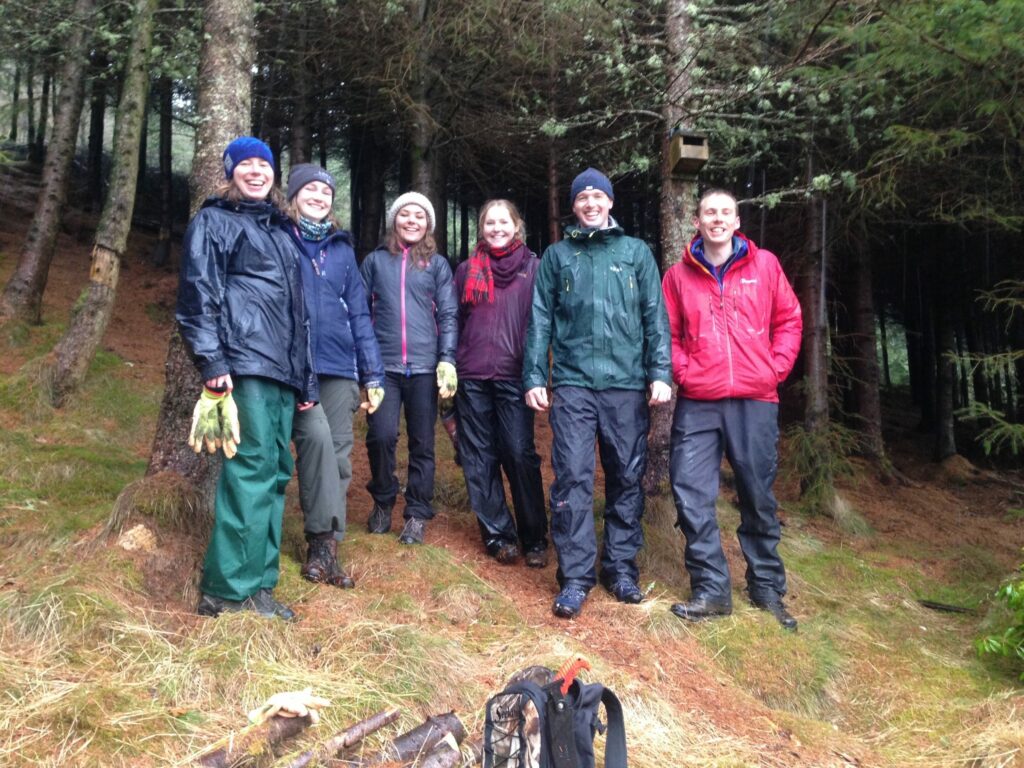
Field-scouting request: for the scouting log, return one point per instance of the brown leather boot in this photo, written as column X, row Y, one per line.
column 321, row 564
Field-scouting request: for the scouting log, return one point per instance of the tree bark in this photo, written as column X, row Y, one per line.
column 38, row 149
column 554, row 216
column 301, row 144
column 249, row 744
column 30, row 101
column 23, row 294
column 677, row 207
column 97, row 112
column 419, row 741
column 865, row 350
column 12, row 135
column 347, row 738
column 225, row 88
column 945, row 439
column 75, row 351
column 162, row 250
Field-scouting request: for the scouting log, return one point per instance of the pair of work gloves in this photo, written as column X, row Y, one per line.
column 215, row 423
column 290, row 704
column 447, row 383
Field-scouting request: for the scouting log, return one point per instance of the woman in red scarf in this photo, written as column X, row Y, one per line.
column 495, row 427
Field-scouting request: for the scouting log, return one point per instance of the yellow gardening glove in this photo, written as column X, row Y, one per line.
column 374, row 397
column 230, row 432
column 447, row 380
column 206, row 427
column 290, row 704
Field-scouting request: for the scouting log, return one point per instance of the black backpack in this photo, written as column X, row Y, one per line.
column 532, row 726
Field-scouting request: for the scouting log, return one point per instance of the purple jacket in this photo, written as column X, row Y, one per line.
column 492, row 336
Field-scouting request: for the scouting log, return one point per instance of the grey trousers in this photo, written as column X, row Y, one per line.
column 747, row 431
column 323, row 445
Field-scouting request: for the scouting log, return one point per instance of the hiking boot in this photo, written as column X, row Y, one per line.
column 700, row 608
column 413, row 531
column 263, row 604
column 569, row 601
column 380, row 519
column 321, row 564
column 778, row 610
column 505, row 552
column 211, row 605
column 625, row 590
column 536, row 557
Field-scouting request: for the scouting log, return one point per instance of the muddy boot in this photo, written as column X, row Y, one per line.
column 321, row 564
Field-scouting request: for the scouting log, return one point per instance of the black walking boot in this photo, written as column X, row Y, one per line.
column 380, row 519
column 322, row 565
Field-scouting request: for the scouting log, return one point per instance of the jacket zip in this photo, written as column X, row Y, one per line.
column 405, row 347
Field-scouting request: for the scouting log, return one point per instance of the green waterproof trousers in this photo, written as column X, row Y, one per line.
column 245, row 544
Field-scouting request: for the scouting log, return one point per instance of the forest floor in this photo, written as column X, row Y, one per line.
column 103, row 661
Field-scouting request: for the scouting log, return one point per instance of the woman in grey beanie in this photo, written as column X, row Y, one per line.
column 413, row 306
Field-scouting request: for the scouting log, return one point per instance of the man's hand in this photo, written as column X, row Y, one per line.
column 206, row 430
column 221, row 383
column 447, row 380
column 537, row 398
column 660, row 393
column 374, row 397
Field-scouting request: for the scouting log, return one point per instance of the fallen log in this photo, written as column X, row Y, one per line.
column 253, row 744
column 408, row 746
column 347, row 738
column 442, row 756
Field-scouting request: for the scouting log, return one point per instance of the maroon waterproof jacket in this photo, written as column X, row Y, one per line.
column 738, row 338
column 492, row 336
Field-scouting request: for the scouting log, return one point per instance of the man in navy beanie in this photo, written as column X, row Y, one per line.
column 598, row 306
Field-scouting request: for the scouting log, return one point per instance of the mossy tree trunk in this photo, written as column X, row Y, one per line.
column 866, row 374
column 23, row 295
column 75, row 351
column 165, row 96
column 224, row 98
column 676, row 208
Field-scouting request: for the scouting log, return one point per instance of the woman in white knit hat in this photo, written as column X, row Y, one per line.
column 413, row 306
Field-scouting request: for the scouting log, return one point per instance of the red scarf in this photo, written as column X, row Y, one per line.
column 480, row 273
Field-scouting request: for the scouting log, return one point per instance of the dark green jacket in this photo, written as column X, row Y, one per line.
column 597, row 303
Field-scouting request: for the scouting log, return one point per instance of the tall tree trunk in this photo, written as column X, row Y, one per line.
column 30, row 101
column 554, row 216
column 140, row 179
column 883, row 332
column 224, row 102
column 75, row 351
column 945, row 440
column 369, row 161
column 300, row 149
column 97, row 115
column 865, row 350
column 676, row 205
column 816, row 488
column 38, row 149
column 162, row 250
column 463, row 227
column 23, row 294
column 12, row 135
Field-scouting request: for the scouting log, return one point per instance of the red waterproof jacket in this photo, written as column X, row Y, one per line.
column 735, row 338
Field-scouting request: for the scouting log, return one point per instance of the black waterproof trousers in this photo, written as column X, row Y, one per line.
column 418, row 395
column 747, row 431
column 618, row 419
column 495, row 434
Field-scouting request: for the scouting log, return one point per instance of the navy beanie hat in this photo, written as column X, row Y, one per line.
column 590, row 179
column 243, row 148
column 304, row 173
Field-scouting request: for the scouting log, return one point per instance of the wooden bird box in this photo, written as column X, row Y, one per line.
column 688, row 151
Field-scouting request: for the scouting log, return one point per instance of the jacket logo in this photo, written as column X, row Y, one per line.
column 744, row 281
column 615, row 268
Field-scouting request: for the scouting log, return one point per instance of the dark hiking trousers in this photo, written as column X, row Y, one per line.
column 243, row 555
column 747, row 431
column 323, row 448
column 495, row 434
column 417, row 394
column 619, row 419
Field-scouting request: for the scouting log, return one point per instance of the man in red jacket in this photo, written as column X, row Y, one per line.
column 735, row 325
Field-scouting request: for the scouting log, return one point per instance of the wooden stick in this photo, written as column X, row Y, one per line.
column 347, row 738
column 415, row 743
column 252, row 742
column 442, row 756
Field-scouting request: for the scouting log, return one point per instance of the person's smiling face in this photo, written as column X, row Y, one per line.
column 592, row 208
column 314, row 201
column 253, row 178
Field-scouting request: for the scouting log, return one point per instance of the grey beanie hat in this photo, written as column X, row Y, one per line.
column 411, row 198
column 304, row 173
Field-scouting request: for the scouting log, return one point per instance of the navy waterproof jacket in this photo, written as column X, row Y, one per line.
column 413, row 310
column 340, row 334
column 240, row 308
column 492, row 335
